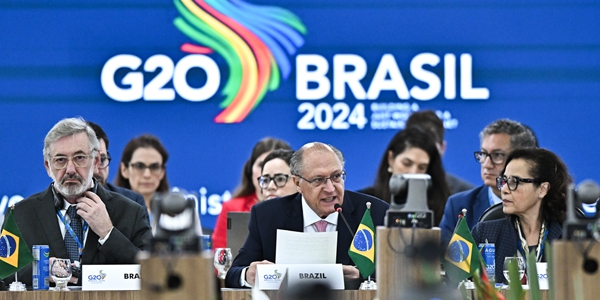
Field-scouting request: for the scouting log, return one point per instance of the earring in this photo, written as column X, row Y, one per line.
column 389, row 169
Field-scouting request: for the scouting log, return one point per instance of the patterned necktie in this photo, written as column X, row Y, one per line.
column 70, row 243
column 321, row 226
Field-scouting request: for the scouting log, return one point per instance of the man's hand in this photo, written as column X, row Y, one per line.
column 93, row 211
column 350, row 272
column 73, row 278
column 251, row 271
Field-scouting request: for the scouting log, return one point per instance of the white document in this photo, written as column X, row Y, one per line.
column 305, row 247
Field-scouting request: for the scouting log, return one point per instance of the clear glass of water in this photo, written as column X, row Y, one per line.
column 520, row 266
column 222, row 261
column 60, row 271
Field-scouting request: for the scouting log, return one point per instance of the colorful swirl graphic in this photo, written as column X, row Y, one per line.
column 255, row 41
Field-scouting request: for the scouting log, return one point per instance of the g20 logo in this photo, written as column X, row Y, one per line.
column 132, row 85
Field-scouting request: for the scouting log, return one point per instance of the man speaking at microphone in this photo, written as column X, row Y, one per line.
column 318, row 173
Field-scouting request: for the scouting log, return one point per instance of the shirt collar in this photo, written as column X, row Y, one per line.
column 310, row 217
column 493, row 198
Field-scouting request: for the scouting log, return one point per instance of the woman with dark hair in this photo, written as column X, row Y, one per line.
column 248, row 192
column 534, row 187
column 143, row 167
column 275, row 180
column 412, row 151
column 143, row 170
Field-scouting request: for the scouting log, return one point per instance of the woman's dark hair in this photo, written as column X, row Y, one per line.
column 283, row 154
column 414, row 137
column 545, row 166
column 143, row 141
column 246, row 187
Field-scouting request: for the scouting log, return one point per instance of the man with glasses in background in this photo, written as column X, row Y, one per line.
column 101, row 173
column 319, row 176
column 497, row 140
column 75, row 216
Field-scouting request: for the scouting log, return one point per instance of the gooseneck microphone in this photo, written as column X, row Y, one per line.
column 338, row 208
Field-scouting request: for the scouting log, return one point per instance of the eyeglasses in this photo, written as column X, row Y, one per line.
column 497, row 158
column 279, row 180
column 60, row 162
column 104, row 160
column 141, row 167
column 318, row 181
column 512, row 182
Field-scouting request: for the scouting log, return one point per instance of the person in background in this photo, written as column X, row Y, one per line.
column 143, row 170
column 75, row 216
column 497, row 140
column 534, row 187
column 412, row 151
column 248, row 192
column 319, row 176
column 275, row 180
column 143, row 167
column 429, row 122
column 101, row 173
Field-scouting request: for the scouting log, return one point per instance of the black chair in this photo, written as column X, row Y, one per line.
column 493, row 212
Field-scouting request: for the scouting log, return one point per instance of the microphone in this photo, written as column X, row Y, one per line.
column 588, row 191
column 338, row 208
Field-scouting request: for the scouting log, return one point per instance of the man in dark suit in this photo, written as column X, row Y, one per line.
column 76, row 216
column 497, row 140
column 101, row 173
column 318, row 173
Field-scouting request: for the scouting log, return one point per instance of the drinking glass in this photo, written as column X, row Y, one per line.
column 520, row 266
column 222, row 261
column 60, row 271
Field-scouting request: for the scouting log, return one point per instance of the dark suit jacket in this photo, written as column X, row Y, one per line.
column 456, row 184
column 504, row 235
column 139, row 199
column 476, row 201
column 286, row 213
column 38, row 222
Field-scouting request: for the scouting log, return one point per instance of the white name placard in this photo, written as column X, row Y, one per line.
column 110, row 277
column 270, row 276
column 542, row 270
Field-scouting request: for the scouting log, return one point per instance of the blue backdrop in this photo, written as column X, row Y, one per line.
column 538, row 62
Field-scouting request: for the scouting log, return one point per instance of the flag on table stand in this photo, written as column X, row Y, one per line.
column 362, row 249
column 14, row 252
column 461, row 259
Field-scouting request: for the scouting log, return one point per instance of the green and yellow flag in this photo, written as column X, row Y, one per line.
column 14, row 252
column 362, row 249
column 461, row 259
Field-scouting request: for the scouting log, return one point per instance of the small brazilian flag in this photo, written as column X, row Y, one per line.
column 362, row 249
column 461, row 259
column 14, row 253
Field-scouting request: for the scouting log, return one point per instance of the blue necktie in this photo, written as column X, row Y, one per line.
column 70, row 243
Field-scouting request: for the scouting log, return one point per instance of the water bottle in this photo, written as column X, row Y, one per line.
column 488, row 252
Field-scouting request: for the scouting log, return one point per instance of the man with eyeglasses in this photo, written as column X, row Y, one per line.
column 101, row 173
column 497, row 140
column 319, row 176
column 75, row 216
